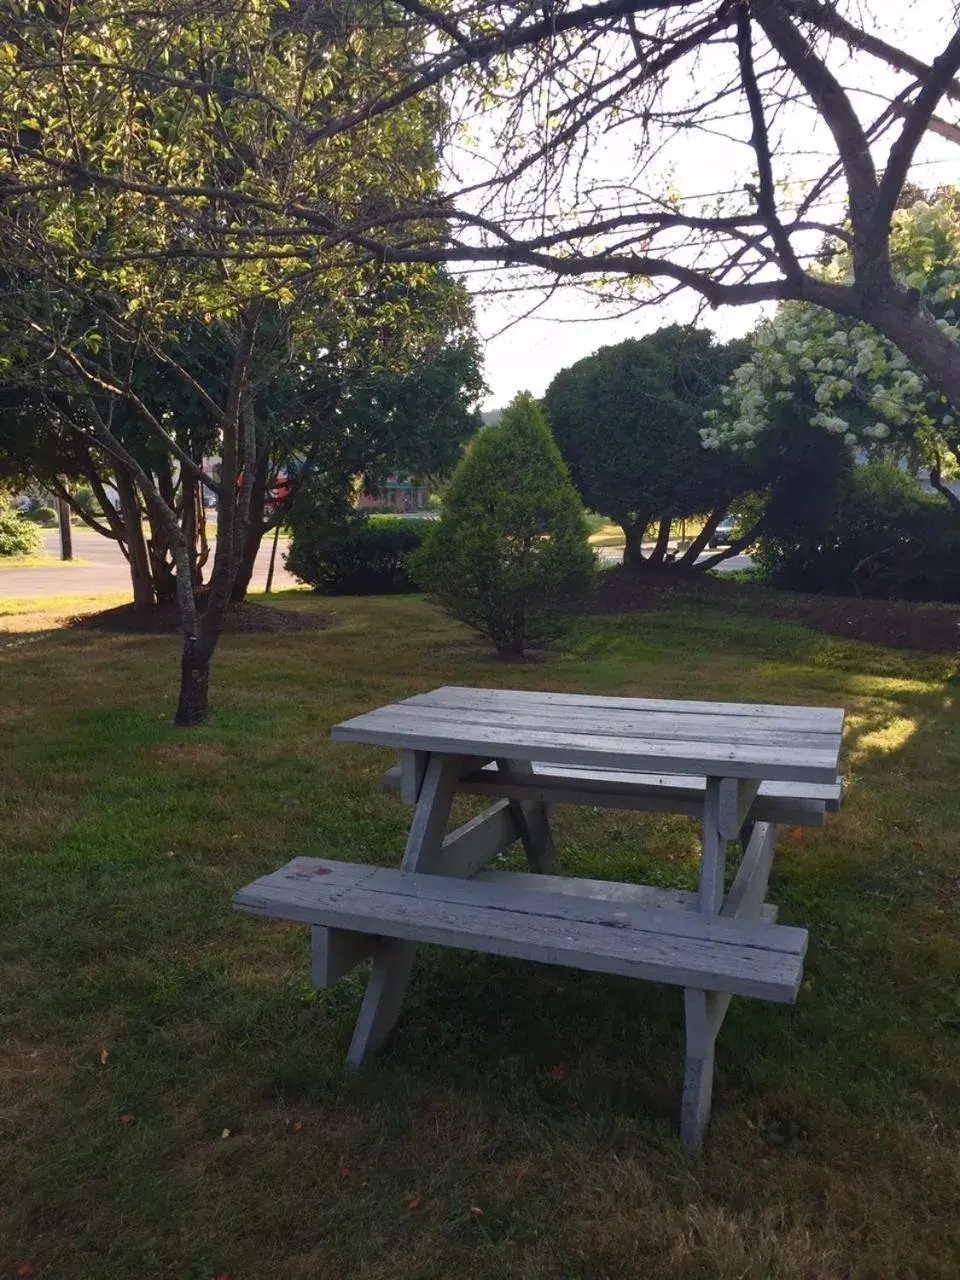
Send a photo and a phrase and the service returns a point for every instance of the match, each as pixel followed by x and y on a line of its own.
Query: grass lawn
pixel 172 1094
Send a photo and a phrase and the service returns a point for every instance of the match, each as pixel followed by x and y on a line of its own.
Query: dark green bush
pixel 889 539
pixel 40 512
pixel 352 555
pixel 512 542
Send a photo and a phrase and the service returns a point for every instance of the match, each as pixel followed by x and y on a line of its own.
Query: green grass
pixel 172 1094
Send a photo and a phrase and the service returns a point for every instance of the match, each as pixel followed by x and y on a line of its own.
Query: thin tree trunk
pixel 137 558
pixel 658 555
pixel 689 558
pixel 188 522
pixel 200 634
pixel 66 533
pixel 273 559
pixel 734 549
pixel 936 481
pixel 256 528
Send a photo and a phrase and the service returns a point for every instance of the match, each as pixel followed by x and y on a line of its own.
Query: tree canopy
pixel 628 422
pixel 253 163
pixel 846 377
pixel 159 316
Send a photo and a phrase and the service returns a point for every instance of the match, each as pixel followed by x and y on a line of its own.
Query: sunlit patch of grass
pixel 523 1120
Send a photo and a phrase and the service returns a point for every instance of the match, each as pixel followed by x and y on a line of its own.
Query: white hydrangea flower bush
pixel 861 386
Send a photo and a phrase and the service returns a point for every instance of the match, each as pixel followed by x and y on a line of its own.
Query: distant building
pixel 395 494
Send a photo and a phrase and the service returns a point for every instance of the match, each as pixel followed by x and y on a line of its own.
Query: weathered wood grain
pixel 638 895
pixel 532 820
pixel 787 803
pixel 617 724
pixel 471 846
pixel 465 698
pixel 685 949
pixel 720 759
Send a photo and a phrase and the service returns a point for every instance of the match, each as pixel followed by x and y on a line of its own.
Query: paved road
pixel 614 555
pixel 100 568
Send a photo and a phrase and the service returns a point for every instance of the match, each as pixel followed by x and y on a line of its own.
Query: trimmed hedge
pixel 360 556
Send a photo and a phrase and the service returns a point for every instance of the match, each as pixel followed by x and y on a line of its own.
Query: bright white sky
pixel 524 353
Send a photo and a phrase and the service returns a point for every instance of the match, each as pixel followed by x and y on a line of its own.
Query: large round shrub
pixel 511 544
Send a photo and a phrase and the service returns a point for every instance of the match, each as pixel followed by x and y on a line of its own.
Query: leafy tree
pixel 539 90
pixel 511 544
pixel 628 420
pixel 151 319
pixel 18 536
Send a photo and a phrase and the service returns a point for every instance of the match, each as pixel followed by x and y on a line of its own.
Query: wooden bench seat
pixel 650 934
pixel 786 803
pixel 742 957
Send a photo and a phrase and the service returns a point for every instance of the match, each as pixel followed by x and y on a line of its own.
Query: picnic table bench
pixel 740 768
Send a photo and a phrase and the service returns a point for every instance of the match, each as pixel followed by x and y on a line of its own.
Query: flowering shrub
pixel 861 386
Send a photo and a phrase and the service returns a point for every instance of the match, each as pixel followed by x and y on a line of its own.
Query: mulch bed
pixel 899 624
pixel 163 619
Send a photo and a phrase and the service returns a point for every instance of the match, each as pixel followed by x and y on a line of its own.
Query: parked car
pixel 724 534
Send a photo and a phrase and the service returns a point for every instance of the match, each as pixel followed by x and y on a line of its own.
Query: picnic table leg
pixel 704 1011
pixel 726 806
pixel 532 819
pixel 393 959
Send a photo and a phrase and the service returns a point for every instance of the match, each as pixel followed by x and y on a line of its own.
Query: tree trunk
pixel 734 549
pixel 247 561
pixel 902 317
pixel 273 560
pixel 238 459
pixel 66 533
pixel 139 561
pixel 633 532
pixel 659 552
pixel 689 558
pixel 254 533
pixel 193 706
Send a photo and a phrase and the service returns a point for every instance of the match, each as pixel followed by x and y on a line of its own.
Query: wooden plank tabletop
pixel 719 739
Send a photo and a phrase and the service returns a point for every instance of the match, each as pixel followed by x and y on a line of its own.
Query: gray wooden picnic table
pixel 741 768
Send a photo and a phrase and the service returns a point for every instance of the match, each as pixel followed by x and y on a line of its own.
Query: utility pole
pixel 66 533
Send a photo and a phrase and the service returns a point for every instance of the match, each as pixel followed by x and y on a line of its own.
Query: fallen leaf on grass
pixel 296 1126
pixel 225 1134
pixel 476 1211
pixel 345 1172
pixel 414 1204
pixel 226 1275
pixel 104 1055
pixel 128 1118
pixel 26 1269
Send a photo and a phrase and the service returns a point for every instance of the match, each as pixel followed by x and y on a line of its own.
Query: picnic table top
pixel 716 739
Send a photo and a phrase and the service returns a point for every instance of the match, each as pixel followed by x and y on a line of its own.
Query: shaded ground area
pixel 245 617
pixel 900 624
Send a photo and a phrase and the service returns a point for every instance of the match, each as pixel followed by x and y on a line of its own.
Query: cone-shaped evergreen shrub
pixel 511 545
